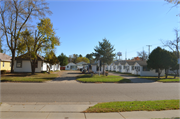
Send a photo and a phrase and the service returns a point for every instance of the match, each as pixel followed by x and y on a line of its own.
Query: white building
pixel 71 66
pixel 140 68
pixel 22 64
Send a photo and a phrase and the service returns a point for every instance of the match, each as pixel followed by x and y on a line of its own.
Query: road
pixel 68 90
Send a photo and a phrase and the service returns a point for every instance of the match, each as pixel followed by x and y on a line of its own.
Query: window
pixel 3 64
pixel 19 64
pixel 157 70
pixel 42 64
pixel 67 66
pixel 50 66
pixel 137 68
pixel 132 67
pixel 145 68
pixel 119 67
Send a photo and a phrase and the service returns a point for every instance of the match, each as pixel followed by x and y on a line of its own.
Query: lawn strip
pixel 27 77
pixel 87 78
pixel 161 79
pixel 123 106
pixel 154 78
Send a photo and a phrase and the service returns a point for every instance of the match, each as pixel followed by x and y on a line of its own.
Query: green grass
pixel 134 106
pixel 27 77
pixel 162 78
pixel 154 78
pixel 87 78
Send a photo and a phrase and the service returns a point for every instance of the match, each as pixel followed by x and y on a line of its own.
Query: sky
pixel 129 25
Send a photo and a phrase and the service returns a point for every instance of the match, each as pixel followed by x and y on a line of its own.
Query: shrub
pixel 3 71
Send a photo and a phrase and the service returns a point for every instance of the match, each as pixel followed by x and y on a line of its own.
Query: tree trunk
pixel 103 70
pixel 166 73
pixel 159 75
pixel 32 67
pixel 12 61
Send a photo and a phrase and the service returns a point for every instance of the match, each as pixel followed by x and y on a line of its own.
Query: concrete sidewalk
pixel 73 110
pixel 133 79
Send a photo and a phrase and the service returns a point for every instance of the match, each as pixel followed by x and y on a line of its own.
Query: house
pixel 71 66
pixel 5 62
pixel 140 68
pixel 22 63
pixel 80 64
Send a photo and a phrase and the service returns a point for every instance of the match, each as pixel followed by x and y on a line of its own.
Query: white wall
pixel 151 73
pixel 68 66
pixel 26 66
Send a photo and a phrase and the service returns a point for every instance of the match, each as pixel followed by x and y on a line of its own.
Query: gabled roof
pixel 4 57
pixel 71 63
pixel 26 57
pixel 142 63
pixel 122 62
pixel 130 62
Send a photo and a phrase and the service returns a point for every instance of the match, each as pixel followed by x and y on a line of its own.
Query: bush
pixel 3 71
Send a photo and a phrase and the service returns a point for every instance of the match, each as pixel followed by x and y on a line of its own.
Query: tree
pixel 82 59
pixel 63 59
pixel 156 59
pixel 90 57
pixel 169 60
pixel 80 55
pixel 173 45
pixel 43 40
pixel 15 15
pixel 51 59
pixel 143 55
pixel 104 52
pixel 1 50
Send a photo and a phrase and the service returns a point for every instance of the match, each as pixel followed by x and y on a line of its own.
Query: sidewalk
pixel 133 78
pixel 73 110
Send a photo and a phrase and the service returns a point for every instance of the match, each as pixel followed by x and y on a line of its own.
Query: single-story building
pixel 22 63
pixel 140 68
pixel 5 62
pixel 71 66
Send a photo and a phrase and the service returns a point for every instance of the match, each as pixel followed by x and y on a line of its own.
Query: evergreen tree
pixel 104 53
pixel 63 59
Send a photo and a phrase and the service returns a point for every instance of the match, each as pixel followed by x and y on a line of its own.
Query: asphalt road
pixel 87 92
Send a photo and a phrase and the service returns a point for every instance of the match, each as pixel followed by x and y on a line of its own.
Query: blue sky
pixel 129 25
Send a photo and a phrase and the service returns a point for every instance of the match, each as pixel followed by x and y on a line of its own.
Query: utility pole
pixel 149 48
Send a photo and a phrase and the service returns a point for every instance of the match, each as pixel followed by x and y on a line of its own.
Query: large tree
pixel 90 57
pixel 156 59
pixel 169 60
pixel 63 59
pixel 161 59
pixel 14 15
pixel 104 52
pixel 43 40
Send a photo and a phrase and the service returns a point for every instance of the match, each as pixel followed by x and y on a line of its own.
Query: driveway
pixel 66 77
pixel 133 79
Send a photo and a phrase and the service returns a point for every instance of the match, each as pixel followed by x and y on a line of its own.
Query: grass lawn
pixel 87 78
pixel 27 77
pixel 134 106
pixel 162 79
